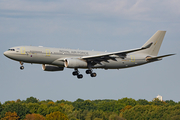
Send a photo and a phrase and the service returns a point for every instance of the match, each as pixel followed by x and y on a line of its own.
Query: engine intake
pixel 47 67
pixel 75 63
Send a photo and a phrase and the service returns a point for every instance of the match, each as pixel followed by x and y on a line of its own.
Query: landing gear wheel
pixel 79 76
pixel 88 71
pixel 93 74
pixel 22 67
pixel 75 73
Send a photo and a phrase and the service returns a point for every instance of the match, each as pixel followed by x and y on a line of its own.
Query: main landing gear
pixel 77 73
pixel 80 76
pixel 91 73
pixel 21 67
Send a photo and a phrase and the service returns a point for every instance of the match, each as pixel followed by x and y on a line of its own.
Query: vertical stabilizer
pixel 156 39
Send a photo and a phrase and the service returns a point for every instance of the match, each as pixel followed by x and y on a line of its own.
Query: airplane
pixel 56 59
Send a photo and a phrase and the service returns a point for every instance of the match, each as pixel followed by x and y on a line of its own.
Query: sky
pixel 99 25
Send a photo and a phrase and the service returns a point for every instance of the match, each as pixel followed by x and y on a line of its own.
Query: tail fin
pixel 156 39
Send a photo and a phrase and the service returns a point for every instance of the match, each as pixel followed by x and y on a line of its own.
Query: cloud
pixel 115 17
pixel 126 9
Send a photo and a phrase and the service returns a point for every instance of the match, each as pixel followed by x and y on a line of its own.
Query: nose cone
pixel 5 53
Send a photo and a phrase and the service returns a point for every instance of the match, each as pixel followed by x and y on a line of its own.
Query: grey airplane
pixel 56 59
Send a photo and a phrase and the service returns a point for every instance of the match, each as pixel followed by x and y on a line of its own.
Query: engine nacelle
pixel 75 63
pixel 52 68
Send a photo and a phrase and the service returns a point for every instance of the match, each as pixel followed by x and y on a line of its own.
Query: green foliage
pixel 33 107
pixel 127 101
pixel 121 109
pixel 142 102
pixel 56 116
pixel 84 105
pixel 156 101
pixel 1 107
pixel 19 108
pixel 34 117
pixel 95 115
pixel 170 102
pixel 42 110
pixel 10 116
pixel 152 112
pixel 31 100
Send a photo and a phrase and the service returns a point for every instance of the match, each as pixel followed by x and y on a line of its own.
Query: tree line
pixel 121 109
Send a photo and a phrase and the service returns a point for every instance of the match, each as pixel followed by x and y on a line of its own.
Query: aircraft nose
pixel 6 53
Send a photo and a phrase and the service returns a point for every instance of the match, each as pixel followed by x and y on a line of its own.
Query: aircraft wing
pixel 96 59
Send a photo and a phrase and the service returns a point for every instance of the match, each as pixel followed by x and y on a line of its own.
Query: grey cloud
pixel 134 9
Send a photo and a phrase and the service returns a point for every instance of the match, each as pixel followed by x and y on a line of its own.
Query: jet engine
pixel 47 67
pixel 75 63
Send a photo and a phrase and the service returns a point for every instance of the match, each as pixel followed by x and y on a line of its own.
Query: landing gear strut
pixel 77 73
pixel 21 67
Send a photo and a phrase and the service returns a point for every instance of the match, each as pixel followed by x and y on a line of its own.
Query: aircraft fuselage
pixel 55 56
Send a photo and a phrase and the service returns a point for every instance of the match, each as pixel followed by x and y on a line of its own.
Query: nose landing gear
pixel 21 67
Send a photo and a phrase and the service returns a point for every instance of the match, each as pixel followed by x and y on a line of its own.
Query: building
pixel 159 97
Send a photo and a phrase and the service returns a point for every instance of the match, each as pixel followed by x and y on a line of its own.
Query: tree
pixel 33 107
pixel 79 100
pixel 1 107
pixel 18 100
pixel 34 117
pixel 95 115
pixel 142 102
pixel 52 109
pixel 127 101
pixel 31 100
pixel 126 108
pixel 10 116
pixel 170 102
pixel 43 109
pixel 107 106
pixel 156 101
pixel 19 108
pixel 177 117
pixel 56 116
pixel 85 105
pixel 114 116
pixel 51 103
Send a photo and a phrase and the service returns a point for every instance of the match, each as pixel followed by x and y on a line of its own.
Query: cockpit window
pixel 11 49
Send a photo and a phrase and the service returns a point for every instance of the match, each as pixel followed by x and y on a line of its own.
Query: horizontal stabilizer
pixel 158 57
